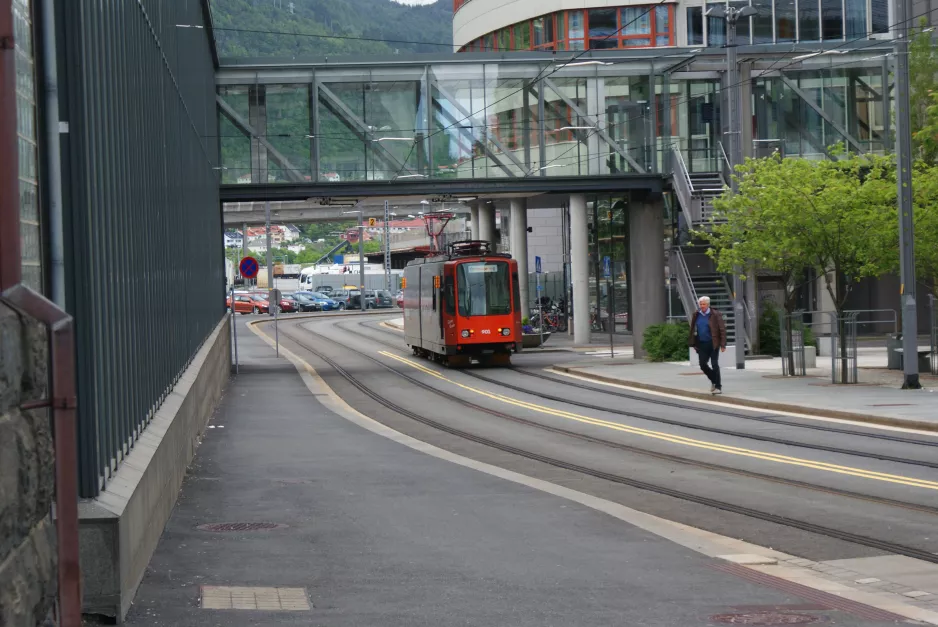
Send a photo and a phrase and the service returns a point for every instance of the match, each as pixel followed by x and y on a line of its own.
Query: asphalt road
pixel 835 479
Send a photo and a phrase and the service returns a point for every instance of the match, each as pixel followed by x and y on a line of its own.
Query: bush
pixel 525 321
pixel 666 342
pixel 770 342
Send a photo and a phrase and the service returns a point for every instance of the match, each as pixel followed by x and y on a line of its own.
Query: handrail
pixel 684 189
pixel 727 169
pixel 685 286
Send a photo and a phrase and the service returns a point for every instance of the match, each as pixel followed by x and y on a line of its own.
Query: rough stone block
pixel 28 577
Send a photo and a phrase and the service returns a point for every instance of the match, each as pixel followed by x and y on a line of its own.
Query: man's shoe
pixel 713 388
pixel 717 390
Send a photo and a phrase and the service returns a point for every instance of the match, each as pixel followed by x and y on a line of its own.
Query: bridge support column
pixel 646 248
pixel 579 268
pixel 487 224
pixel 519 248
pixel 474 220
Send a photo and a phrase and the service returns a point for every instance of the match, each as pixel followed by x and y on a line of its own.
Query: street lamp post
pixel 904 175
pixel 732 15
pixel 361 255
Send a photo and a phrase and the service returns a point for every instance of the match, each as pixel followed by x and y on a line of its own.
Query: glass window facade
pixel 695 33
pixel 31 240
pixel 642 26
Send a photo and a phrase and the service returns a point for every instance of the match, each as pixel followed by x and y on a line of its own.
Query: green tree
pixel 923 91
pixel 793 214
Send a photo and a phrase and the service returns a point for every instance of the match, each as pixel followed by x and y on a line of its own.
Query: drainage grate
pixel 240 526
pixel 766 618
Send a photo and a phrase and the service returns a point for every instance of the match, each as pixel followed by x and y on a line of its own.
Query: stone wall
pixel 27 532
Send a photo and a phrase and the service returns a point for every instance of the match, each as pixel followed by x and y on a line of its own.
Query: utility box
pixel 893 356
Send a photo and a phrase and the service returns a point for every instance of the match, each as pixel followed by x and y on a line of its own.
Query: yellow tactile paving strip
pixel 244 598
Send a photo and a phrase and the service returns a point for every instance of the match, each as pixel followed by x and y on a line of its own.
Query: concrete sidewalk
pixel 765 388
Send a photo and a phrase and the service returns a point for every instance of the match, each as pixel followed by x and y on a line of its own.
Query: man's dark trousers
pixel 707 352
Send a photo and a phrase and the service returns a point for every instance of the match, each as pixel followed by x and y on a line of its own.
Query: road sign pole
pixel 540 311
pixel 270 270
pixel 907 289
pixel 277 327
pixel 387 246
pixel 361 257
pixel 234 331
pixel 612 316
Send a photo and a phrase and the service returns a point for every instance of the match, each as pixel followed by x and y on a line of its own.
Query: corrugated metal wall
pixel 143 227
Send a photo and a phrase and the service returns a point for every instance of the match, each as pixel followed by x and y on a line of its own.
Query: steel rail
pixel 642 485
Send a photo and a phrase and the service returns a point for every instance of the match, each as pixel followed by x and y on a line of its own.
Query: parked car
pixel 322 302
pixel 342 297
pixel 260 302
pixel 243 303
pixel 287 304
pixel 305 302
pixel 400 298
pixel 383 299
pixel 354 301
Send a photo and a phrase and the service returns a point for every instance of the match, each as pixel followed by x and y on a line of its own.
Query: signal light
pixel 465 333
pixel 404 283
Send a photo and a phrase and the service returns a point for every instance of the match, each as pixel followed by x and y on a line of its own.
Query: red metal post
pixel 10 262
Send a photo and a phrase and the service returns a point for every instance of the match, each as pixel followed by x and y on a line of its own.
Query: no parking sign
pixel 248 267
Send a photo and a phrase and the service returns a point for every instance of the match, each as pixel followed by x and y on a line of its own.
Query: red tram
pixel 463 305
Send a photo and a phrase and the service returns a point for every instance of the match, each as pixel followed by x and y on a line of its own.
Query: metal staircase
pixel 721 299
pixel 695 191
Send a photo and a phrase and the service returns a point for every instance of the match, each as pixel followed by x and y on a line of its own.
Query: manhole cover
pixel 765 618
pixel 240 526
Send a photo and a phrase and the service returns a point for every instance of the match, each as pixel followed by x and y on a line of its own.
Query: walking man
pixel 708 337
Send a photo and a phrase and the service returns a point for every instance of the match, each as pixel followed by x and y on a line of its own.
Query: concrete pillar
pixel 579 269
pixel 487 224
pixel 646 252
pixel 519 247
pixel 474 220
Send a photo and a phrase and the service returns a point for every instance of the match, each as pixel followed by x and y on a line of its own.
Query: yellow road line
pixel 677 439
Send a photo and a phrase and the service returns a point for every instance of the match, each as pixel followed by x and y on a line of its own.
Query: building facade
pixel 492 25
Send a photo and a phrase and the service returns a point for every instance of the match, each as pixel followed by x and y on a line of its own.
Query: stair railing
pixel 684 188
pixel 725 169
pixel 742 326
pixel 685 286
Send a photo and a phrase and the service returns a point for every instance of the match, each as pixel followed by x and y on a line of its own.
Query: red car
pixel 247 303
pixel 400 298
pixel 260 303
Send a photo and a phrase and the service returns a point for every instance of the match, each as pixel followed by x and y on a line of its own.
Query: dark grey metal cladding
pixel 142 219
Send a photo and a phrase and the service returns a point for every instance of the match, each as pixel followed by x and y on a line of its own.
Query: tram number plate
pixel 486 332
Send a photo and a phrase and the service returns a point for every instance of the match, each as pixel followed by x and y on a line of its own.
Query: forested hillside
pixel 315 20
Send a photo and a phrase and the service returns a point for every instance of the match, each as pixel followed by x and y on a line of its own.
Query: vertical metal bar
pixel 361 258
pixel 526 127
pixel 314 129
pixel 887 110
pixel 270 270
pixel 428 116
pixel 732 69
pixel 387 245
pixel 652 123
pixel 907 289
pixel 541 130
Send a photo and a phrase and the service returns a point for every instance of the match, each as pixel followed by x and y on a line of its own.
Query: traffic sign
pixel 537 265
pixel 372 221
pixel 607 268
pixel 249 267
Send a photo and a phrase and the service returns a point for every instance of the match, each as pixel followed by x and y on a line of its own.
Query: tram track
pixel 814 528
pixel 699 427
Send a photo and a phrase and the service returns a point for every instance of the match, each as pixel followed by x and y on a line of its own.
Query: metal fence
pixel 933 317
pixel 144 258
pixel 792 351
pixel 844 367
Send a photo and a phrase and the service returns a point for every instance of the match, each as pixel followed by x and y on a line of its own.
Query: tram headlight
pixel 464 333
pixel 506 331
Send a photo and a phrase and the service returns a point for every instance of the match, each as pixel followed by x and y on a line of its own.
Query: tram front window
pixel 483 288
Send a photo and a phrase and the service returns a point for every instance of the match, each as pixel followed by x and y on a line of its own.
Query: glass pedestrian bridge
pixel 529 119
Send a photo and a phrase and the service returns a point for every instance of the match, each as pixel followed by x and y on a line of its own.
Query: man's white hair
pixel 703 299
